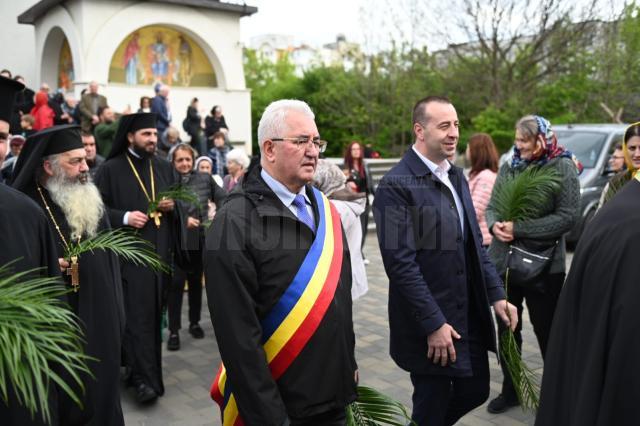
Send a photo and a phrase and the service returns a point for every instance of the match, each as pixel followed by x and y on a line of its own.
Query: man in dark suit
pixel 441 281
pixel 160 106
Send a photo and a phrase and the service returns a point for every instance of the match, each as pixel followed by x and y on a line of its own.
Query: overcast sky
pixel 312 22
pixel 371 23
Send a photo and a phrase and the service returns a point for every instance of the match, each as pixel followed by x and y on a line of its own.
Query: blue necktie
pixel 303 214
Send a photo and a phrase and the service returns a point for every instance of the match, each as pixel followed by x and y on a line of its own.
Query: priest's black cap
pixel 53 140
pixel 130 123
pixel 8 90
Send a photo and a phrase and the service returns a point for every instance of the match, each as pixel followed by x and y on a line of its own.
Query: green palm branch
pixel 523 378
pixel 175 193
pixel 516 198
pixel 519 197
pixel 37 331
pixel 125 244
pixel 374 408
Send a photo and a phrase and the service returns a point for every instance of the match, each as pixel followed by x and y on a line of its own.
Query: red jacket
pixel 42 112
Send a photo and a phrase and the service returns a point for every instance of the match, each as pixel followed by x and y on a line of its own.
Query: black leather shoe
pixel 145 394
pixel 173 344
pixel 196 331
pixel 500 404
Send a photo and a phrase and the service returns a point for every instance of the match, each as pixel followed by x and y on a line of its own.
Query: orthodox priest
pixel 130 180
pixel 53 171
pixel 591 374
pixel 28 243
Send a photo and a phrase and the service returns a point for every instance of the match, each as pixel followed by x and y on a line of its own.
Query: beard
pixel 79 200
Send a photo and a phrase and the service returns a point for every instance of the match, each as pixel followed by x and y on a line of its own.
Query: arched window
pixel 161 54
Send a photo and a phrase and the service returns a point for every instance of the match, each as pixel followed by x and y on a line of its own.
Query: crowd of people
pixel 35 111
pixel 277 242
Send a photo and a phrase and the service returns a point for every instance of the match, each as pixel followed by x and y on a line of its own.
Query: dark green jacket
pixel 557 216
pixel 105 133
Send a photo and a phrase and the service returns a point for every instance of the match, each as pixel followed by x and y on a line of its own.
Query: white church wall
pixel 96 29
pixel 48 41
pixel 216 33
pixel 18 42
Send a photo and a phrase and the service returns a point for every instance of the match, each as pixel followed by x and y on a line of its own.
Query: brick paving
pixel 188 372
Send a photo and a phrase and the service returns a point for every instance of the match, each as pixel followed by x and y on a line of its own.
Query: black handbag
pixel 526 263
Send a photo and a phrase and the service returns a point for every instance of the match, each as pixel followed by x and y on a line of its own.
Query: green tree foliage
pixel 567 71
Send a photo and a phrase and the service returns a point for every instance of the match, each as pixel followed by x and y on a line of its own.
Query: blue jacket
pixel 159 106
pixel 432 265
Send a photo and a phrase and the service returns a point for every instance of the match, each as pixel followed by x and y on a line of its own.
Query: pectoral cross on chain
pixel 156 217
pixel 74 272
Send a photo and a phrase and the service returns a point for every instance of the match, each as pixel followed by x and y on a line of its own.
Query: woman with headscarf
pixel 535 146
pixel 329 179
pixel 631 152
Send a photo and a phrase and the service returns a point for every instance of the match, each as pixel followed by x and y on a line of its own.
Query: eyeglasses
pixel 304 140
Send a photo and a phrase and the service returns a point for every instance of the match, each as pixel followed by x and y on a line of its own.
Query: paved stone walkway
pixel 188 372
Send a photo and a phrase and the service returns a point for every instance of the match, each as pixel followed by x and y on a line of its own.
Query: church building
pixel 129 47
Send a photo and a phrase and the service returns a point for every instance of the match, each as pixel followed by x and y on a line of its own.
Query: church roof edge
pixel 39 9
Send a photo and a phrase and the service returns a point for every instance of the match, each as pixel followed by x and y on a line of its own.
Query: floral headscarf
pixel 551 149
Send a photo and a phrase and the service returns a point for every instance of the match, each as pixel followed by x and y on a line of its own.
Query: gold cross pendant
pixel 74 272
pixel 156 217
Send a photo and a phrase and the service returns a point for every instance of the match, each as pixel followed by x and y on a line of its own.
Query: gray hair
pixel 328 177
pixel 528 126
pixel 273 120
pixel 239 156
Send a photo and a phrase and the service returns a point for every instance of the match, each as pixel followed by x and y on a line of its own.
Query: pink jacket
pixel 481 186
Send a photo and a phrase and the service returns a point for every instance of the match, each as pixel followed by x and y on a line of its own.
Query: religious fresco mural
pixel 65 67
pixel 160 54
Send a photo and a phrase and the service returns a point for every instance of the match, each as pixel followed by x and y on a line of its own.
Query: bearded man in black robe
pixel 591 371
pixel 52 171
pixel 131 179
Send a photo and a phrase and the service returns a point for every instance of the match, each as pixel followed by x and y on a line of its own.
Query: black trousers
pixel 336 417
pixel 443 400
pixel 542 306
pixel 176 293
pixel 364 222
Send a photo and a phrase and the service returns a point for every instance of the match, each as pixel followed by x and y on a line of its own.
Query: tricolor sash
pixel 294 319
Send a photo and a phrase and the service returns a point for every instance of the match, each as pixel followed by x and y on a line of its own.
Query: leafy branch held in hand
pixel 175 193
pixel 519 197
pixel 123 243
pixel 375 408
pixel 37 331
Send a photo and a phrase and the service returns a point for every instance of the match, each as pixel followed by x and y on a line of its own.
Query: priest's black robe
pixel 592 368
pixel 99 305
pixel 142 287
pixel 25 236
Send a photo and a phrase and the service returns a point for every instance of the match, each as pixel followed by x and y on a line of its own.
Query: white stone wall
pixel 17 41
pixel 95 29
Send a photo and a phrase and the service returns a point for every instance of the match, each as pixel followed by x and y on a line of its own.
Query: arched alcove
pixel 159 53
pixel 57 66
